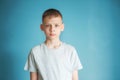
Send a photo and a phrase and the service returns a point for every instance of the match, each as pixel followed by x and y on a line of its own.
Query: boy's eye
pixel 56 25
pixel 47 25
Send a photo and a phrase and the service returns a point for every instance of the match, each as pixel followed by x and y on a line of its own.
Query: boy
pixel 53 59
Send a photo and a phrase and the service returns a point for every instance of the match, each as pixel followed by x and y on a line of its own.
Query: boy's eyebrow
pixel 55 24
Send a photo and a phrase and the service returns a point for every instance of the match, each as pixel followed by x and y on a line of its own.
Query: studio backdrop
pixel 92 26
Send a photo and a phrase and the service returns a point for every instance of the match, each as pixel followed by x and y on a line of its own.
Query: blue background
pixel 92 26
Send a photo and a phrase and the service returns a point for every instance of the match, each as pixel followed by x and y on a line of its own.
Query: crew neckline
pixel 53 49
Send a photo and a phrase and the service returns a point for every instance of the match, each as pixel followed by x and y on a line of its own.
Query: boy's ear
pixel 41 27
pixel 62 29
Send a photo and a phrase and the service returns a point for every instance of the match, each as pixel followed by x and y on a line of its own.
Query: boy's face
pixel 52 27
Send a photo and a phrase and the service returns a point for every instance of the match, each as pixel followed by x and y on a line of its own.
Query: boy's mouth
pixel 52 34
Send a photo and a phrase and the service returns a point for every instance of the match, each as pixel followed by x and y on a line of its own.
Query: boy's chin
pixel 52 38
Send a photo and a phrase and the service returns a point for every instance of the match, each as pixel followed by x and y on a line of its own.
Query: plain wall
pixel 92 26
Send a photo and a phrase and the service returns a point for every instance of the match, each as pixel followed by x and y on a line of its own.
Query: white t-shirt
pixel 53 64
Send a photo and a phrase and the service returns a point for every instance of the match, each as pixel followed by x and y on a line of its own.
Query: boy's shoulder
pixel 68 46
pixel 37 47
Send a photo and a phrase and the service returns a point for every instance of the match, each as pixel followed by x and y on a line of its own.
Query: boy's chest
pixel 52 58
pixel 52 61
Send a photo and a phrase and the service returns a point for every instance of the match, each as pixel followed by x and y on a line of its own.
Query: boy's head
pixel 51 13
pixel 52 24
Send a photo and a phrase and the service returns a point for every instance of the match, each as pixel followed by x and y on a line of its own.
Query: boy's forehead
pixel 50 19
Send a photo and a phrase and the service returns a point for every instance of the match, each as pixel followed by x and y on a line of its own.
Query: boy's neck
pixel 53 43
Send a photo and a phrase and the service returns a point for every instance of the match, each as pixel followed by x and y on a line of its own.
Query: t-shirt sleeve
pixel 30 63
pixel 75 61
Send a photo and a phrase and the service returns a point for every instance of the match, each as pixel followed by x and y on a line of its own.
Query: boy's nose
pixel 52 28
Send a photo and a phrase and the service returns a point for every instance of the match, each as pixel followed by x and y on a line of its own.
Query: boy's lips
pixel 52 34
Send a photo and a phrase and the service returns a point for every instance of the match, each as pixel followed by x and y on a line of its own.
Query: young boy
pixel 53 59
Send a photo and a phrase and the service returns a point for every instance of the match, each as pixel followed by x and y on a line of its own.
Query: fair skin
pixel 52 27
